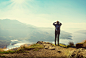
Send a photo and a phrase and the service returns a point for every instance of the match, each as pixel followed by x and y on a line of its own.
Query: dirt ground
pixel 59 52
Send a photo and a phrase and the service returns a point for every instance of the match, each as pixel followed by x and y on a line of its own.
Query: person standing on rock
pixel 57 30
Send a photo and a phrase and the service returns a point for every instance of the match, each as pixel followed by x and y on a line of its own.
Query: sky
pixel 42 13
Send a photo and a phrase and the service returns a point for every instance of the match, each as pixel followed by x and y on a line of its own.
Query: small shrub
pixel 71 43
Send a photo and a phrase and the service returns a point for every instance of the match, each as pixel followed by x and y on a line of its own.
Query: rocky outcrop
pixel 46 45
pixel 81 45
pixel 79 53
pixel 41 42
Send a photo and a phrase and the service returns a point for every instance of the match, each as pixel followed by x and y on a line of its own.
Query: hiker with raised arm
pixel 57 30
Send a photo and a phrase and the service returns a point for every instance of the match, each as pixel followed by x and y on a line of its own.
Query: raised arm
pixel 54 24
pixel 60 24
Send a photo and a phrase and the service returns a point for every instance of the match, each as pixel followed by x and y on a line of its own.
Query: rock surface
pixel 79 45
pixel 51 48
pixel 84 45
pixel 46 45
pixel 48 51
pixel 79 53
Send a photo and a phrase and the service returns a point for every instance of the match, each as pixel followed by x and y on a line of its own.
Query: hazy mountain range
pixel 13 29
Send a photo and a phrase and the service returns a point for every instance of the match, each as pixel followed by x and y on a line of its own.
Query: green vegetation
pixel 53 44
pixel 6 52
pixel 69 46
pixel 34 47
pixel 62 45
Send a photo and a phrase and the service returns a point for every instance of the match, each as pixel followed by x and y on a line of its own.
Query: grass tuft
pixel 62 45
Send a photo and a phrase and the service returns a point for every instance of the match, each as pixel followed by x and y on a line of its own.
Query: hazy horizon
pixel 70 30
pixel 42 13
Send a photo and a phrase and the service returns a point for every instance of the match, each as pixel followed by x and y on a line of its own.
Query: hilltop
pixel 41 49
pixel 44 49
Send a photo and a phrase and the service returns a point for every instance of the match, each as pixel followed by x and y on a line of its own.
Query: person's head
pixel 57 22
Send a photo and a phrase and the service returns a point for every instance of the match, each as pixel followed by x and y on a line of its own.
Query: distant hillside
pixel 13 29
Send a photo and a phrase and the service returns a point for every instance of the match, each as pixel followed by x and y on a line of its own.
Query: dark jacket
pixel 57 26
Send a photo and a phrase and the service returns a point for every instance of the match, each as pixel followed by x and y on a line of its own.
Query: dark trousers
pixel 57 33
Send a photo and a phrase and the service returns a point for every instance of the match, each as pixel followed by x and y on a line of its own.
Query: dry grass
pixel 36 46
pixel 22 49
